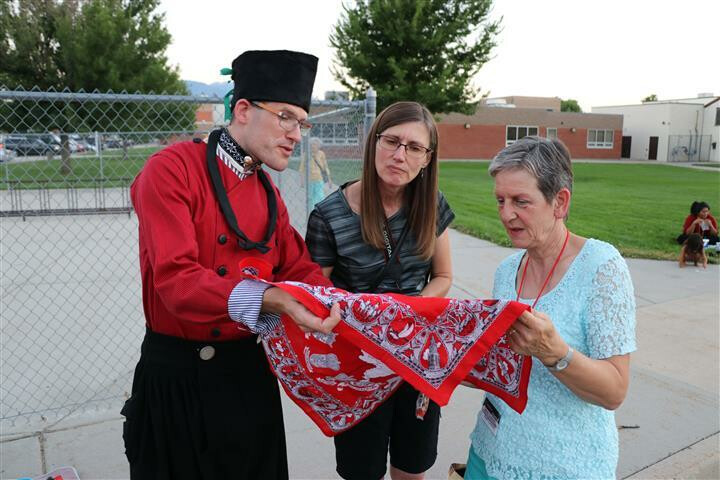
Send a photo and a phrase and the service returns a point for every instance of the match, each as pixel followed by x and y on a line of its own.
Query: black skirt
pixel 204 413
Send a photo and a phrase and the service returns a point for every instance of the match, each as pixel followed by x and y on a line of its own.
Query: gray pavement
pixel 669 423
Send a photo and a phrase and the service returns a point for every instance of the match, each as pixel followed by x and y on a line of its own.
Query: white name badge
pixel 490 416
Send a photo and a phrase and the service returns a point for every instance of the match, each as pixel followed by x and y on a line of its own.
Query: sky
pixel 613 52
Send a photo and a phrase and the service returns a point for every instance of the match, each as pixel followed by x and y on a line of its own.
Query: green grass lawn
pixel 638 208
pixel 115 169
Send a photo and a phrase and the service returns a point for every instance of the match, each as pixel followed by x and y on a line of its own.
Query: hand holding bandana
pixel 432 343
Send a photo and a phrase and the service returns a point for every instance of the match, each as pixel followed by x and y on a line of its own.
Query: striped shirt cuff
pixel 244 306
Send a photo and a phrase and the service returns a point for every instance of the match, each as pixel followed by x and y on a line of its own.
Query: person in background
pixel 388 232
pixel 700 221
pixel 693 250
pixel 319 172
pixel 579 332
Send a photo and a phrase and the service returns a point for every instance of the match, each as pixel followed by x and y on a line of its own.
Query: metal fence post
pixel 7 172
pixel 307 158
pixel 370 109
pixel 98 153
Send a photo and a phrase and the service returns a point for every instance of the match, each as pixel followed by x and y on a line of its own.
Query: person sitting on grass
pixel 693 251
pixel 700 221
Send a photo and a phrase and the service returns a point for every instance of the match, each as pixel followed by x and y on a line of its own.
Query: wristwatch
pixel 563 362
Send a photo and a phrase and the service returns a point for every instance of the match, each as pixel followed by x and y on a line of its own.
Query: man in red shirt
pixel 204 402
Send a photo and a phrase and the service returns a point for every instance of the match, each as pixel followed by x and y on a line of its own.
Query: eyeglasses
pixel 287 122
pixel 412 150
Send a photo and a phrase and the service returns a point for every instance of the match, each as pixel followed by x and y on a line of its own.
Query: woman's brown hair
pixel 421 194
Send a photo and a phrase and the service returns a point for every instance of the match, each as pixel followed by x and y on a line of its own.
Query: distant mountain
pixel 218 89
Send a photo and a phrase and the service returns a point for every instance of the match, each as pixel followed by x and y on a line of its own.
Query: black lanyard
pixel 390 241
pixel 392 257
pixel 243 241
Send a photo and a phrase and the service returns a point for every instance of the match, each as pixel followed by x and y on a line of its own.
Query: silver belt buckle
pixel 207 352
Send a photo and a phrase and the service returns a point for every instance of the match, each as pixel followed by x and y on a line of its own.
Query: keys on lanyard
pixel 421 406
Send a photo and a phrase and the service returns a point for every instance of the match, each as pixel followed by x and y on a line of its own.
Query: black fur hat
pixel 274 76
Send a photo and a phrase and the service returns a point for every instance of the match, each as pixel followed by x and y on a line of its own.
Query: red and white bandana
pixel 432 343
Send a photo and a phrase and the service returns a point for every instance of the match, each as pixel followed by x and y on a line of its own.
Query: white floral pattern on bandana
pixel 433 343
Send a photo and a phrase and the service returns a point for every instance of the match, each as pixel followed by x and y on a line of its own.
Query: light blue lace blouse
pixel 559 435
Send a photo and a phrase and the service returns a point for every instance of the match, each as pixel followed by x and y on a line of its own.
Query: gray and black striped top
pixel 334 238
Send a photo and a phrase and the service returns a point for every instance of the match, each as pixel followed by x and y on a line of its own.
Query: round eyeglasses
pixel 412 150
pixel 287 122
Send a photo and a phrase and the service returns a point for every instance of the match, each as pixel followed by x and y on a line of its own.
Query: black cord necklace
pixel 243 241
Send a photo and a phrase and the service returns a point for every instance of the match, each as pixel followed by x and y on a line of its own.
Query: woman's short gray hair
pixel 548 160
pixel 315 141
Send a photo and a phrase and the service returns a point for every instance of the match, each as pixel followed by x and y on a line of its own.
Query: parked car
pixel 113 141
pixel 78 143
pixel 5 153
pixel 74 142
pixel 74 146
pixel 90 141
pixel 116 141
pixel 27 145
pixel 51 139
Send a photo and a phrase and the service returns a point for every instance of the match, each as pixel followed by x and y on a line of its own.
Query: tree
pixel 117 45
pixel 89 45
pixel 650 98
pixel 570 105
pixel 92 45
pixel 28 43
pixel 422 50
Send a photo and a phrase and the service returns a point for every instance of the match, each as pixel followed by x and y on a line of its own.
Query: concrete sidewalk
pixel 669 424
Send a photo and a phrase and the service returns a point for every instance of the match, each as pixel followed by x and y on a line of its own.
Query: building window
pixel 516 132
pixel 552 133
pixel 600 139
pixel 717 117
pixel 336 133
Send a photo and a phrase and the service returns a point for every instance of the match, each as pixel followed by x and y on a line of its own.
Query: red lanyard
pixel 552 270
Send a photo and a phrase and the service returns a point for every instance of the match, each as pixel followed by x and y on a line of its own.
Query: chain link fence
pixel 72 319
pixel 689 148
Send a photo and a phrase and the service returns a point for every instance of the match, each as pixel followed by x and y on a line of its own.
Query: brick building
pixel 499 122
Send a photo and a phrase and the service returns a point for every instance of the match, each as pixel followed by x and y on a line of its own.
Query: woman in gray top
pixel 388 233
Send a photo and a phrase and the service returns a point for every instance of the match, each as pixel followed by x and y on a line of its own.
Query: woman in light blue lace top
pixel 580 331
